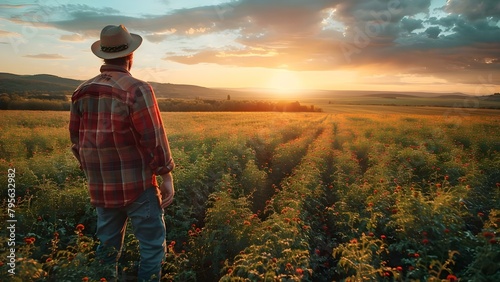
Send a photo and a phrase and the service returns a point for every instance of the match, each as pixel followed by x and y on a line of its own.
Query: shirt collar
pixel 106 68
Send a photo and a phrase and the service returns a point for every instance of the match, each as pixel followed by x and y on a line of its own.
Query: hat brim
pixel 132 46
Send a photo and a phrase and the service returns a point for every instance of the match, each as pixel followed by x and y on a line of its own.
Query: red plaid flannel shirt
pixel 117 135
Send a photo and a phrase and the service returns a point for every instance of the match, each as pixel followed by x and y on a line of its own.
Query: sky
pixel 286 45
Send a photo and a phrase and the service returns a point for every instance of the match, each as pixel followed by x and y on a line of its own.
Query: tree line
pixel 50 103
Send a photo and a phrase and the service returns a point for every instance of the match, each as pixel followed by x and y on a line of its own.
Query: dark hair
pixel 119 61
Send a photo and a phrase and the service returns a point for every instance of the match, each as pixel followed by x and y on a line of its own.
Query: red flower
pixel 425 241
pixel 299 271
pixel 80 227
pixel 103 279
pixel 493 241
pixel 488 234
pixel 48 260
pixel 85 279
pixel 399 268
pixel 383 237
pixel 29 240
pixel 451 278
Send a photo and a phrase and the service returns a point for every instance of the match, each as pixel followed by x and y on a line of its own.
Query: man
pixel 118 137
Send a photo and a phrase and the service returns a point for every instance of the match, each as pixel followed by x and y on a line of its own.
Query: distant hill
pixel 36 84
pixel 42 84
pixel 169 90
pixel 389 95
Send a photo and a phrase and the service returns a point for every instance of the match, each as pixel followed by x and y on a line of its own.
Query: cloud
pixel 410 24
pixel 458 41
pixel 377 35
pixel 75 37
pixel 46 56
pixel 4 33
pixel 11 6
pixel 433 32
pixel 474 9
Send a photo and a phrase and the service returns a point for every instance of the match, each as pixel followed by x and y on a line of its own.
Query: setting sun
pixel 285 82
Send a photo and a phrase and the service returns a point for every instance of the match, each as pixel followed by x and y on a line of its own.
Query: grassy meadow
pixel 356 193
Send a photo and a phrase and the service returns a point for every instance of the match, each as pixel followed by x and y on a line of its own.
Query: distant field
pixel 414 105
pixel 411 110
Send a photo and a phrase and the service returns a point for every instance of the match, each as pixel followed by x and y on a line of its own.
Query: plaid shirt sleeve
pixel 148 124
pixel 74 131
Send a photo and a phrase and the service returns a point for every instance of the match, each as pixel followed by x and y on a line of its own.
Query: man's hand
pixel 167 190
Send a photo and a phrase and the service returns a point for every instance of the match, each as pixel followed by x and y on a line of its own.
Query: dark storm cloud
pixel 410 24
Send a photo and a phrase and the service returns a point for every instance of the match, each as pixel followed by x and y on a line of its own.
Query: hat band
pixel 114 49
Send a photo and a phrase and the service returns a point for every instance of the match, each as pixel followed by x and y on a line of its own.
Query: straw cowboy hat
pixel 116 42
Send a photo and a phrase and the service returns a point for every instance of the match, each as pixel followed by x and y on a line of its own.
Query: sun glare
pixel 284 82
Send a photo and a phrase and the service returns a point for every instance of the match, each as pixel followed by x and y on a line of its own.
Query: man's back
pixel 116 122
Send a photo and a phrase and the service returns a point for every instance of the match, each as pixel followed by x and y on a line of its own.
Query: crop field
pixel 273 197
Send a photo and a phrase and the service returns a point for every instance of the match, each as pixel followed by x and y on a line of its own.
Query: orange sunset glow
pixel 285 46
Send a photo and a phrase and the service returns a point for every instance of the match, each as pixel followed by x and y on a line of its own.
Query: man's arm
pixel 167 190
pixel 74 132
pixel 148 123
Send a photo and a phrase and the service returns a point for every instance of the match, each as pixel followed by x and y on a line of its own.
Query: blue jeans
pixel 148 227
